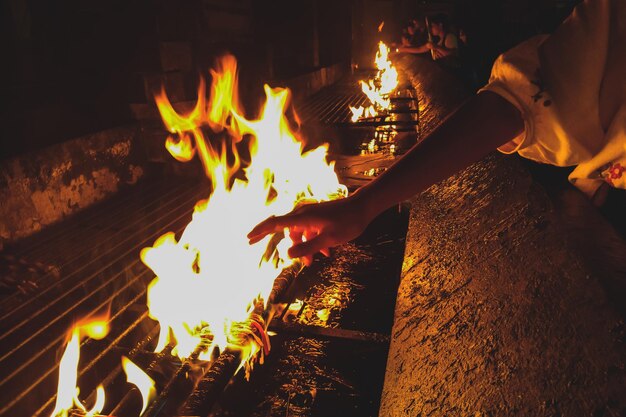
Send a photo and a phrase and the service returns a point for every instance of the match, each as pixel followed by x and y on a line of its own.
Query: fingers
pixel 269 225
pixel 300 236
pixel 309 248
pixel 295 236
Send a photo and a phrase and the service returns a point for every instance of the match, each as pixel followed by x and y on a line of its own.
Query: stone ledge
pixel 45 186
pixel 501 311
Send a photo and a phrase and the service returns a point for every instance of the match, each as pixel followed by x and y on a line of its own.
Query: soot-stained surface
pixel 44 187
pixel 307 375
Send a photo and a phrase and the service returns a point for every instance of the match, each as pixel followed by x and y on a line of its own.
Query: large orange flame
pixel 210 278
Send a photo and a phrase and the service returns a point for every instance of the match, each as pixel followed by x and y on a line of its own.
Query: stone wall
pixel 45 186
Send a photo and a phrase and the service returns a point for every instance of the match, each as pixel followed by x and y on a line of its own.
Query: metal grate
pixel 331 106
pixel 96 267
pixel 90 263
pixel 94 264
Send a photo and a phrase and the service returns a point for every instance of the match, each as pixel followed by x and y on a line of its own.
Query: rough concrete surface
pixel 501 311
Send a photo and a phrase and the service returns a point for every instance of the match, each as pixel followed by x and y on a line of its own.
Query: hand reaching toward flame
pixel 480 125
pixel 316 227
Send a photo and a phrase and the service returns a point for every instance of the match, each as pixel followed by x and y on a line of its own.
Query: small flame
pixel 372 146
pixel 381 26
pixel 67 391
pixel 378 89
pixel 296 306
pixel 182 149
pixel 362 112
pixel 323 314
pixel 99 405
pixel 224 95
pixel 387 73
pixel 141 380
pixel 96 329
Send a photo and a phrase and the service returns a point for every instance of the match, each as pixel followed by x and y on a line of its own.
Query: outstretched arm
pixel 414 49
pixel 479 126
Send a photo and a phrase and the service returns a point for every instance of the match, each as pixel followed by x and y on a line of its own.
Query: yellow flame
pixel 380 27
pixel 378 89
pixel 67 391
pixel 373 94
pixel 99 404
pixel 141 380
pixel 68 374
pixel 387 73
pixel 362 112
pixel 323 314
pixel 382 56
pixel 224 95
pixel 174 122
pixel 212 269
pixel 96 329
pixel 181 149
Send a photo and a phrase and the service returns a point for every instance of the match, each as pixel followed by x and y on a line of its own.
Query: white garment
pixel 570 88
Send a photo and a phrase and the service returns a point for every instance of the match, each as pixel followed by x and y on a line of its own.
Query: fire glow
pixel 210 280
pixel 378 89
pixel 67 390
pixel 137 377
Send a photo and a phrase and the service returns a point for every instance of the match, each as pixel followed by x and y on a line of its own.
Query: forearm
pixel 414 49
pixel 483 123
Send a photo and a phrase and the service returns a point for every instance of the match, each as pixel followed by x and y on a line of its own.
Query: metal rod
pixel 327 332
pixel 95 221
pixel 404 98
pixel 177 389
pixel 212 384
pixel 403 111
pixel 382 123
pixel 99 307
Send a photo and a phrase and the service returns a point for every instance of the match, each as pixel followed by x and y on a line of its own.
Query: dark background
pixel 74 67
